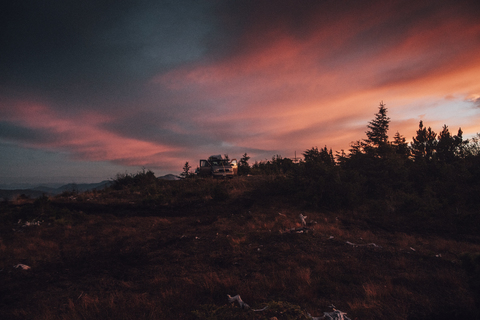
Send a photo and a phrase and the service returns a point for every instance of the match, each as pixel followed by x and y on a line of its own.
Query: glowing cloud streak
pixel 82 135
pixel 295 89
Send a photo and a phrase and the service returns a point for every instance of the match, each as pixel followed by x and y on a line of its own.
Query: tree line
pixel 434 174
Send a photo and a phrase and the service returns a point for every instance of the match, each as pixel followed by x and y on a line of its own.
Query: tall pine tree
pixel 377 138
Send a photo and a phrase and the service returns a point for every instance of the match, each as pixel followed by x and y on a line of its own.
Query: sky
pixel 91 89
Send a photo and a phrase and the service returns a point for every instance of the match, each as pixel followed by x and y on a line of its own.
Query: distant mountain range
pixel 78 187
pixel 49 190
pixel 9 192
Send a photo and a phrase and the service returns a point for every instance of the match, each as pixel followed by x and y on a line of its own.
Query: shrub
pixel 139 179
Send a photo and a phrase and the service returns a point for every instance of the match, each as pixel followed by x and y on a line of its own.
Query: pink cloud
pixel 83 135
pixel 280 84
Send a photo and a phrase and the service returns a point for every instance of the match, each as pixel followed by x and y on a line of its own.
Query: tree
pixel 472 146
pixel 446 146
pixel 243 166
pixel 400 146
pixel 356 158
pixel 186 170
pixel 323 156
pixel 377 138
pixel 424 144
pixel 460 144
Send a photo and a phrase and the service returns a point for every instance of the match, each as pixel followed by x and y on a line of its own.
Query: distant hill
pixel 32 191
pixel 50 191
pixel 79 187
pixel 25 185
pixel 169 177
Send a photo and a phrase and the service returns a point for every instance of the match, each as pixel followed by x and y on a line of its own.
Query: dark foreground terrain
pixel 175 250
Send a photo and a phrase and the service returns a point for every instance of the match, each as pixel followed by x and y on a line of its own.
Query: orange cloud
pixel 83 136
pixel 289 86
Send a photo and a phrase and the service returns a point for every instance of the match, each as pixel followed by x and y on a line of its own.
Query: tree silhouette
pixel 446 146
pixel 244 167
pixel 186 170
pixel 377 138
pixel 424 144
pixel 400 146
pixel 323 156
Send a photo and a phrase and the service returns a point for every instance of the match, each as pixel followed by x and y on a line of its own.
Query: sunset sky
pixel 89 89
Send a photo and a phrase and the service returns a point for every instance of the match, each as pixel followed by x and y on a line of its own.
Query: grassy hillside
pixel 155 249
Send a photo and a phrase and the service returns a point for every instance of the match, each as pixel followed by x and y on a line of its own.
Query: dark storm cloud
pixel 9 131
pixel 52 41
pixel 95 47
pixel 158 127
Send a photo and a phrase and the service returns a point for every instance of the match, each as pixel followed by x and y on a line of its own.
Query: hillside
pixel 176 249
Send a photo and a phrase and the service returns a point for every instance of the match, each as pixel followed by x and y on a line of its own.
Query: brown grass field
pixel 176 250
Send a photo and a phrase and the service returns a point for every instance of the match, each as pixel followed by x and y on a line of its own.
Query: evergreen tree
pixel 323 156
pixel 431 145
pixel 460 144
pixel 418 143
pixel 186 170
pixel 244 167
pixel 424 144
pixel 377 138
pixel 400 146
pixel 471 147
pixel 341 157
pixel 356 158
pixel 446 146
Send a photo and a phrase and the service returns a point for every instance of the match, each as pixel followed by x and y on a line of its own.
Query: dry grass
pixel 164 262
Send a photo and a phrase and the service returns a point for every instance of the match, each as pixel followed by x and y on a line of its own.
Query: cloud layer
pixel 156 84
